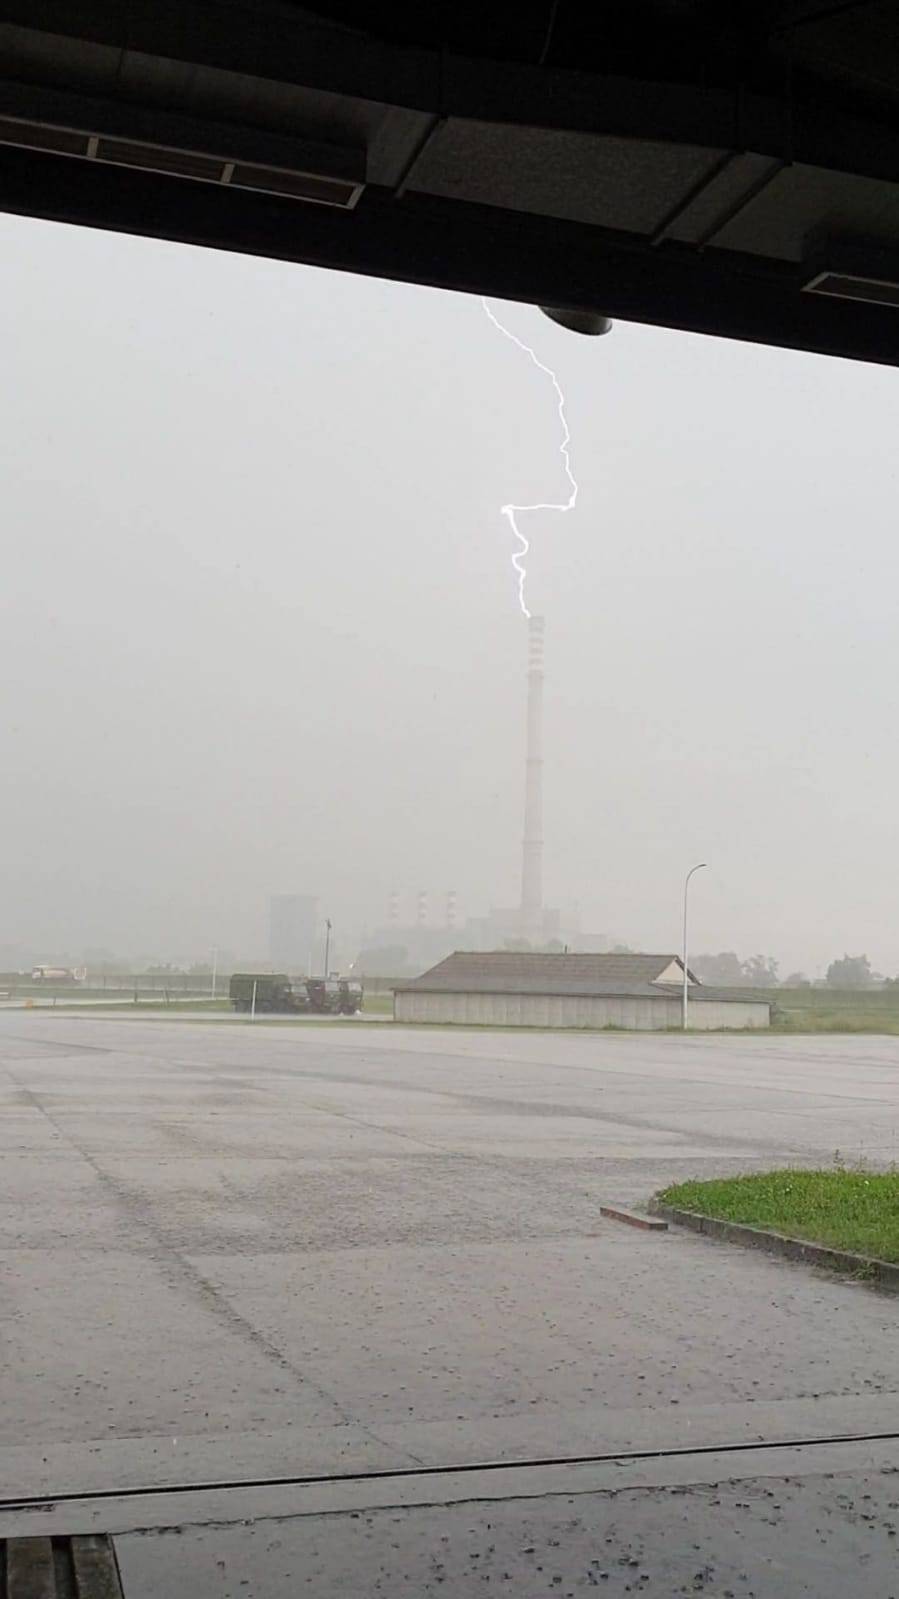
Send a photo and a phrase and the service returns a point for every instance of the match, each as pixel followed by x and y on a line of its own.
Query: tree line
pixel 727 970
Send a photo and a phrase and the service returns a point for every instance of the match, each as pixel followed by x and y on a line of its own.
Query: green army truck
pixel 335 996
pixel 275 993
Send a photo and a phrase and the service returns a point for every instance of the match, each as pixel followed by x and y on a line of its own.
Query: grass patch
pixel 372 1005
pixel 377 1004
pixel 796 1010
pixel 175 1007
pixel 833 1010
pixel 854 1210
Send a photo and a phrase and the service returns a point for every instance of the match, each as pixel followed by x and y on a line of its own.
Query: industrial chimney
pixel 532 848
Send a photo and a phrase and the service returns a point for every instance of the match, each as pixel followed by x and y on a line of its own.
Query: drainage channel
pixel 410 1474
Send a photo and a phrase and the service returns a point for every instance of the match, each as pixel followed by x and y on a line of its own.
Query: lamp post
pixel 700 865
pixel 215 967
pixel 327 945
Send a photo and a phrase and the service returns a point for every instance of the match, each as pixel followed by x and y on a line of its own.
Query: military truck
pixel 336 996
pixel 276 993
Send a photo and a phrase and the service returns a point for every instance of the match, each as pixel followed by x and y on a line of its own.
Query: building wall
pixel 711 1013
pixel 562 1010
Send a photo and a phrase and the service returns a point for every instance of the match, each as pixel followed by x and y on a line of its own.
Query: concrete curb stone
pixel 882 1273
pixel 633 1218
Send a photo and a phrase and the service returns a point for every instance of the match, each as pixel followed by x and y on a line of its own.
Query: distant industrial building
pixel 291 932
pixel 531 922
pixel 413 945
pixel 521 989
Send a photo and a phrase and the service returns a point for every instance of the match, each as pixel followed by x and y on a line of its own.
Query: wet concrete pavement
pixel 233 1252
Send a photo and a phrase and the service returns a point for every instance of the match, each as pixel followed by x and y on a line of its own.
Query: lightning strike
pixel 512 512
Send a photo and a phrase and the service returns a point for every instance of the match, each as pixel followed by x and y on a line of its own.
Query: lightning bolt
pixel 512 512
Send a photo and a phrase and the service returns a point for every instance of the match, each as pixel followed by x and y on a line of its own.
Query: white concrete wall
pixel 711 1013
pixel 557 1010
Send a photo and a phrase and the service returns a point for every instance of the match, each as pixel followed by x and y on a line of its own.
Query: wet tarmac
pixel 234 1253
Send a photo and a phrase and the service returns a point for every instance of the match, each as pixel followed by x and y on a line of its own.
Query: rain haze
pixel 260 628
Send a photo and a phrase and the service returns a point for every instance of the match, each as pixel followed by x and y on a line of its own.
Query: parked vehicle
pixel 334 995
pixel 262 991
pixel 276 993
pixel 351 995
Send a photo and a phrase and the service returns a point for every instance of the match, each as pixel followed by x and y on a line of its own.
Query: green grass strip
pixel 854 1210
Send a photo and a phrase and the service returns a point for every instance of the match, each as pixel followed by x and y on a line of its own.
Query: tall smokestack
pixel 532 848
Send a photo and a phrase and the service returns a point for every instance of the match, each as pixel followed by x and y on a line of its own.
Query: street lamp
pixel 215 967
pixel 327 945
pixel 700 866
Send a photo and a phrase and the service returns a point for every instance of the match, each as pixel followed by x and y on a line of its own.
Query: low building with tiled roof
pixel 511 988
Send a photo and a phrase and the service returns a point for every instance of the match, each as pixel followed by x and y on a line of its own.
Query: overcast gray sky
pixel 260 632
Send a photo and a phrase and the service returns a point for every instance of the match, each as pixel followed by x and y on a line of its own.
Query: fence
pixel 112 985
pixel 138 986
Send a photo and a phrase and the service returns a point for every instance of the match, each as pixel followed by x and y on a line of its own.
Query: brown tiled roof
pixel 513 972
pixel 527 972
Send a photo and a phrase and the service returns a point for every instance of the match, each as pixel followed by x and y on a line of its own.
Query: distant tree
pixel 797 980
pixel 853 971
pixel 621 949
pixel 199 969
pixel 760 971
pixel 724 969
pixel 517 946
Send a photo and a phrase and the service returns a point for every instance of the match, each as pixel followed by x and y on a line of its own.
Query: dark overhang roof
pixel 612 976
pixel 672 161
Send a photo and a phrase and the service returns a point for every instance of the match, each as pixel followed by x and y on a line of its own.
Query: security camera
pixel 589 322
